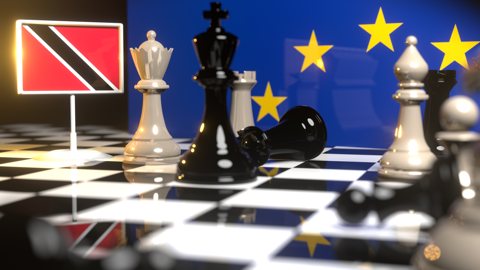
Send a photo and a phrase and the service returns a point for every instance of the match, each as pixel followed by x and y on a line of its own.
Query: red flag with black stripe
pixel 61 57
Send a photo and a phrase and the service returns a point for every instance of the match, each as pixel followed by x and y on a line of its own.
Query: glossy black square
pixel 17 171
pixel 369 176
pixel 108 165
pixel 49 148
pixel 198 194
pixel 4 160
pixel 296 184
pixel 118 178
pixel 49 143
pixel 46 206
pixel 254 216
pixel 19 185
pixel 316 246
pixel 130 177
pixel 344 151
pixel 314 164
pixel 183 264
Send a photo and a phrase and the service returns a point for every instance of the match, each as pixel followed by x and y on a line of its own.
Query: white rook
pixel 241 115
pixel 409 157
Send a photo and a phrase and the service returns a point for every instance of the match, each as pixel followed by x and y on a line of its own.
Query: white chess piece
pixel 241 115
pixel 152 142
pixel 456 237
pixel 409 157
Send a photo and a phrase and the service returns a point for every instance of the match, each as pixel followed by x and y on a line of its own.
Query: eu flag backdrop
pixel 352 83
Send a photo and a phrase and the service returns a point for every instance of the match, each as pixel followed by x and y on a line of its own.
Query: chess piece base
pixel 392 161
pixel 159 85
pixel 400 175
pixel 455 240
pixel 151 152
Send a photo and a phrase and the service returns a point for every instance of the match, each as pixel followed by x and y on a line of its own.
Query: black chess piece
pixel 215 155
pixel 432 195
pixel 28 243
pixel 438 84
pixel 300 135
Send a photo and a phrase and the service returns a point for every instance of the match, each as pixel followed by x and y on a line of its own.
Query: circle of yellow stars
pixel 380 32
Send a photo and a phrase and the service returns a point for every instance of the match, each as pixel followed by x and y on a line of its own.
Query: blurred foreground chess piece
pixel 241 115
pixel 300 135
pixel 455 239
pixel 30 243
pixel 409 157
pixel 450 179
pixel 438 85
pixel 215 156
pixel 152 142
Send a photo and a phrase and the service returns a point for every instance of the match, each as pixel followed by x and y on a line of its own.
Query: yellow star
pixel 270 173
pixel 313 53
pixel 455 49
pixel 380 31
pixel 268 103
pixel 312 240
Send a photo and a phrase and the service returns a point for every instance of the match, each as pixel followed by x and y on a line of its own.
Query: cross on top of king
pixel 215 14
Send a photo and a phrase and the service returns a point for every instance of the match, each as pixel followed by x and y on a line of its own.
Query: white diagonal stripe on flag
pixel 100 239
pixel 82 235
pixel 92 66
pixel 59 58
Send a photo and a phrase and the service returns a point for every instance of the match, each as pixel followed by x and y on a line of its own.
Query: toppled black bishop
pixel 215 156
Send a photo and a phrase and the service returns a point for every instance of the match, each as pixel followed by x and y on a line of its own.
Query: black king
pixel 215 156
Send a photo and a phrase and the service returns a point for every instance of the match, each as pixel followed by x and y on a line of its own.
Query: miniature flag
pixel 55 57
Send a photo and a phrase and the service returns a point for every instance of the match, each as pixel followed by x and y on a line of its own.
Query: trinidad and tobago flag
pixel 55 57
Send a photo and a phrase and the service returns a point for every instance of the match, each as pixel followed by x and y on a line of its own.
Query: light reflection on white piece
pixel 468 194
pixel 464 178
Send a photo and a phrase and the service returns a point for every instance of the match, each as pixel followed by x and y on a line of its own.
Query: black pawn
pixel 300 135
pixel 432 195
pixel 438 85
pixel 215 156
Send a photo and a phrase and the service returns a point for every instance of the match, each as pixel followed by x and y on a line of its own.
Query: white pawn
pixel 409 157
pixel 152 142
pixel 455 240
pixel 457 115
pixel 241 115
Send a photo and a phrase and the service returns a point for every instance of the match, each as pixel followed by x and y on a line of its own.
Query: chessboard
pixel 285 219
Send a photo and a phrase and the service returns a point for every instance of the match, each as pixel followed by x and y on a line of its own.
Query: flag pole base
pixel 78 158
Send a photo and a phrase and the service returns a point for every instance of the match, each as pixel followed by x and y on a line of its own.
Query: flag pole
pixel 73 133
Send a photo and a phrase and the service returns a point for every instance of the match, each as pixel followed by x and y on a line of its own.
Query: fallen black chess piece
pixel 432 195
pixel 300 135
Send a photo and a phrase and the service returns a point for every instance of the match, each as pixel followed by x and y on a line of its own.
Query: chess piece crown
pixel 151 61
pixel 215 48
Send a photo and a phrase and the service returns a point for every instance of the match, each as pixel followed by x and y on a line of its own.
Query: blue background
pixel 353 96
